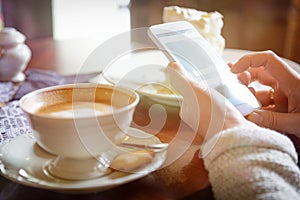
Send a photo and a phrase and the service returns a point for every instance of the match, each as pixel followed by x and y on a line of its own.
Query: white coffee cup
pixel 79 122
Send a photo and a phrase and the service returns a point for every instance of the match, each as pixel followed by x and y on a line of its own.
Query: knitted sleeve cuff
pixel 239 137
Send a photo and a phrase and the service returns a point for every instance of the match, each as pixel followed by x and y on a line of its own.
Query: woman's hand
pixel 281 104
pixel 203 109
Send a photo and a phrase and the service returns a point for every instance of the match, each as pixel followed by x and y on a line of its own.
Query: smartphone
pixel 181 42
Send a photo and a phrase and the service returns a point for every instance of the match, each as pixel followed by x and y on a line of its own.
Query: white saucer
pixel 23 161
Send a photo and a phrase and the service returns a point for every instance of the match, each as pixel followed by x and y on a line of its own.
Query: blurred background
pixel 250 25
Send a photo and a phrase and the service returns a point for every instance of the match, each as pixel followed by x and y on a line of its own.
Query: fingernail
pixel 232 68
pixel 173 65
pixel 255 117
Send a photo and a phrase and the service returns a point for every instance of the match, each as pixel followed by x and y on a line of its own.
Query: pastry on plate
pixel 208 24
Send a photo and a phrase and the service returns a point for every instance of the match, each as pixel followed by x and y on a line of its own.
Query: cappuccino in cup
pixel 69 109
pixel 78 123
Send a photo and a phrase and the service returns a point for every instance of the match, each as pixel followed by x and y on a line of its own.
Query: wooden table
pixel 184 177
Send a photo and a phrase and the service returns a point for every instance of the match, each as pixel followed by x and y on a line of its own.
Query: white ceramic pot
pixel 15 55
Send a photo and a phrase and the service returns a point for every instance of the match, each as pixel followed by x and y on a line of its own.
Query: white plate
pixel 22 161
pixel 144 67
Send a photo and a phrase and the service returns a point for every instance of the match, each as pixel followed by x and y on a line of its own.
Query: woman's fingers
pixel 181 81
pixel 204 109
pixel 266 59
pixel 200 107
pixel 245 78
pixel 189 111
pixel 282 122
pixel 265 97
pixel 257 74
pixel 273 65
pixel 270 99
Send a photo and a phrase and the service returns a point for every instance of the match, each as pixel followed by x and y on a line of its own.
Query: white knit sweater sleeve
pixel 252 163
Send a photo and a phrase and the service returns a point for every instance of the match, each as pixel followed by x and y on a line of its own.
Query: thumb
pixel 282 122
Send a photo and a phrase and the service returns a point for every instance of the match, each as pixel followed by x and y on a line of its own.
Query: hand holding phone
pixel 182 43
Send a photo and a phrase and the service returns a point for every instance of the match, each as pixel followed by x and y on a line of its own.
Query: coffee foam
pixel 70 109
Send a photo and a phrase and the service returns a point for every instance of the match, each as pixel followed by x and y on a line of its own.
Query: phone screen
pixel 199 67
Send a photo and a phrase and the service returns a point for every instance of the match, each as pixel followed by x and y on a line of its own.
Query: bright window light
pixel 97 19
